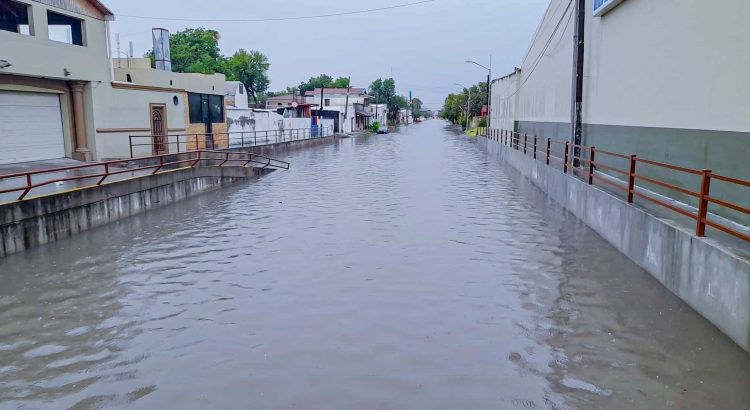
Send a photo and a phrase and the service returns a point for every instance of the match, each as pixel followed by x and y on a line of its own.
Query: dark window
pixel 129 78
pixel 14 17
pixel 65 29
pixel 213 111
pixel 327 102
pixel 175 100
pixel 242 89
pixel 216 107
pixel 196 108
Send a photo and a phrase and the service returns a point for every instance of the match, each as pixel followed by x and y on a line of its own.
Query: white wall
pixel 547 68
pixel 669 64
pixel 662 64
pixel 259 122
pixel 504 101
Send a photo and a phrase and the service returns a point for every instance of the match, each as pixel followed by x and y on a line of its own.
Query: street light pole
pixel 468 102
pixel 489 90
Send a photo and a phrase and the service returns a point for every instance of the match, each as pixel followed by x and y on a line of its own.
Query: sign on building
pixel 603 6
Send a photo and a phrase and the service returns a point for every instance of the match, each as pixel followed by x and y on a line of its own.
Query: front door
pixel 159 129
pixel 206 116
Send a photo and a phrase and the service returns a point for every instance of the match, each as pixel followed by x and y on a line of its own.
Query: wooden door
pixel 159 129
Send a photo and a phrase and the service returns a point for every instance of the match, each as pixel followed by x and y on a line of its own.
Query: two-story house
pixel 53 55
pixel 60 95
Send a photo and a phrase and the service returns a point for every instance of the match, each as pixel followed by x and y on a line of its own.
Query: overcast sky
pixel 424 45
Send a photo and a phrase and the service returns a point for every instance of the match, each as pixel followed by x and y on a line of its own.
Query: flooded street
pixel 406 271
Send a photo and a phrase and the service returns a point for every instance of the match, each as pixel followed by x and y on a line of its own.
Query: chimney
pixel 162 54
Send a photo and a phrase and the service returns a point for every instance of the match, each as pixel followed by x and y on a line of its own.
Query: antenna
pixel 117 39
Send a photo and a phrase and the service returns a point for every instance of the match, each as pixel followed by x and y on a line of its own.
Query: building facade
pixel 348 107
pixel 666 80
pixel 54 58
pixel 62 96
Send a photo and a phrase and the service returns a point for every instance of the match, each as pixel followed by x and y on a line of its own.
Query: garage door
pixel 30 127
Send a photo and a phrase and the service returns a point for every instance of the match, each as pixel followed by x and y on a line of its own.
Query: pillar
pixel 82 151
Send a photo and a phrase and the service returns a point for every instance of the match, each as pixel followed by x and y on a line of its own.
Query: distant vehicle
pixel 383 129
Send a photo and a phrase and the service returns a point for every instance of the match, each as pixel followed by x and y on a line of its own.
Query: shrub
pixel 375 126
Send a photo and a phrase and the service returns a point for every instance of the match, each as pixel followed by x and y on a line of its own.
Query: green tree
pixel 195 50
pixel 384 92
pixel 416 107
pixel 452 108
pixel 251 69
pixel 323 81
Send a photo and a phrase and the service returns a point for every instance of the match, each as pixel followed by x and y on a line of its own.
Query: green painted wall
pixel 726 153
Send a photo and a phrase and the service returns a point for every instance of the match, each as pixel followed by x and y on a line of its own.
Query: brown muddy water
pixel 405 271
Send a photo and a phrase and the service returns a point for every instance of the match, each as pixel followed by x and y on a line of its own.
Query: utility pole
pixel 576 120
pixel 320 111
pixel 489 95
pixel 346 106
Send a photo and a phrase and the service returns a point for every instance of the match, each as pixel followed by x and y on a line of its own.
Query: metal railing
pixel 102 173
pixel 588 163
pixel 174 143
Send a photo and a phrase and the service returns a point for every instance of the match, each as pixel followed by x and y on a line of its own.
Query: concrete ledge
pixel 711 278
pixel 56 216
pixel 279 147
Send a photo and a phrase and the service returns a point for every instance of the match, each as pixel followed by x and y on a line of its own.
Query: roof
pixel 101 7
pixel 335 91
pixel 285 97
pixel 231 88
pixel 85 7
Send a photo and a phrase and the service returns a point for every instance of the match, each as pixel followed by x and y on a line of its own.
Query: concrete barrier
pixel 710 277
pixel 285 146
pixel 56 216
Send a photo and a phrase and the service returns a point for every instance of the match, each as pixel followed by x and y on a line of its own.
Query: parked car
pixel 383 129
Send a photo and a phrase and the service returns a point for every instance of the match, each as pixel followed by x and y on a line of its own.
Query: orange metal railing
pixel 99 172
pixel 588 162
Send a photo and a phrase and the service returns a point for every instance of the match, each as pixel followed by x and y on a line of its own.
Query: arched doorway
pixel 159 129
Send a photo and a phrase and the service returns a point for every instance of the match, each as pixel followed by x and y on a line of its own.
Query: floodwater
pixel 406 271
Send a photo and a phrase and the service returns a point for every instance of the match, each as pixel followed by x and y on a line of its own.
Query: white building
pixel 236 95
pixel 666 80
pixel 354 116
pixel 379 113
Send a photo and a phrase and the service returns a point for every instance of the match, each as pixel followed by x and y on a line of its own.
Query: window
pixel 216 108
pixel 195 106
pixel 65 29
pixel 327 102
pixel 242 89
pixel 204 107
pixel 14 17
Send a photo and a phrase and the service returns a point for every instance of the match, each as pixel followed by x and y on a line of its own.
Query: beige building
pixel 54 56
pixel 158 109
pixel 60 96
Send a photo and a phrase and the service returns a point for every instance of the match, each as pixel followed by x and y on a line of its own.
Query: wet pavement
pixel 405 271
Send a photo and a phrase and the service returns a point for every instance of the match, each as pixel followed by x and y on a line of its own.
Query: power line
pixel 348 13
pixel 544 50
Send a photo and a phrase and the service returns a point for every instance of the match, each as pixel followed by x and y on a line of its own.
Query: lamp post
pixel 468 103
pixel 489 90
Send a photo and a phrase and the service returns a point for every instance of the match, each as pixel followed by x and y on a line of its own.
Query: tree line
pixel 454 107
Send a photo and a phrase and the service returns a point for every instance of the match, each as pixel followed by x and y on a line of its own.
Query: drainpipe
pixel 109 49
pixel 576 120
